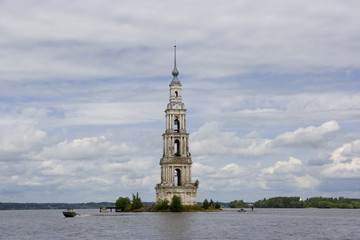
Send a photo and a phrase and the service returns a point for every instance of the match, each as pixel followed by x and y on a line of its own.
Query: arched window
pixel 176 125
pixel 176 94
pixel 177 177
pixel 177 147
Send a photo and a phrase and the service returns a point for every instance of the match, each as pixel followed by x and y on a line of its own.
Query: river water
pixel 259 224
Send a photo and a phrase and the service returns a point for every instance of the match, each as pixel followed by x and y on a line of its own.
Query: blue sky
pixel 271 90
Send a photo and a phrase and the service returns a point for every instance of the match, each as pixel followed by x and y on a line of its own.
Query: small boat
pixel 103 210
pixel 70 213
pixel 242 210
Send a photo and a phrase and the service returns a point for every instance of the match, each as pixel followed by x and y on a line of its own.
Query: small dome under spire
pixel 175 72
pixel 175 80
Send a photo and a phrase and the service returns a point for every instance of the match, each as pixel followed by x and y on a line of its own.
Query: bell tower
pixel 176 161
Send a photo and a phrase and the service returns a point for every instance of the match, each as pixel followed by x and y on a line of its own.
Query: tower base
pixel 186 193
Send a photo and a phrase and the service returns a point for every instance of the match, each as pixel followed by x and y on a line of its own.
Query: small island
pixel 123 204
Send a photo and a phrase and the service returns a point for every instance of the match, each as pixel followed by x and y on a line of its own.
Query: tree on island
pixel 162 205
pixel 176 205
pixel 206 204
pixel 122 203
pixel 212 204
pixel 136 202
pixel 217 205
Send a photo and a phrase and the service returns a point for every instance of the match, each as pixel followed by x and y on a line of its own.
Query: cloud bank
pixel 271 90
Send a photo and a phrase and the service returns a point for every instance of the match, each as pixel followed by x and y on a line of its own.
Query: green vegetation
pixel 212 204
pixel 197 183
pixel 341 202
pixel 280 202
pixel 206 204
pixel 237 204
pixel 193 208
pixel 136 202
pixel 162 205
pixel 176 205
pixel 123 203
pixel 315 202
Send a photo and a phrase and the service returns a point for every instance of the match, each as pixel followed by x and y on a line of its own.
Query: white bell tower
pixel 176 161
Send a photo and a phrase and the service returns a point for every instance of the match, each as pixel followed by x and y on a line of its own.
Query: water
pixel 260 224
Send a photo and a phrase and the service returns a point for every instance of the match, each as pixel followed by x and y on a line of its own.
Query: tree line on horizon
pixel 35 206
pixel 314 202
pixel 275 202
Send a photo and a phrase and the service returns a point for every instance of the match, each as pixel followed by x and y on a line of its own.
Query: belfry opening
pixel 177 147
pixel 176 125
pixel 176 162
pixel 177 177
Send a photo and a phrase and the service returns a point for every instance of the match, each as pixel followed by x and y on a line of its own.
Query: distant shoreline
pixel 43 206
pixel 276 202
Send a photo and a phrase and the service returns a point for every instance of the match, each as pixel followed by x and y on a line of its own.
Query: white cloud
pixel 111 113
pixel 56 168
pixel 345 162
pixel 95 148
pixel 229 171
pixel 257 147
pixel 249 108
pixel 199 169
pixel 349 150
pixel 225 178
pixel 320 159
pixel 309 136
pixel 211 141
pixel 287 176
pixel 306 182
pixel 21 139
pixel 292 166
pixel 82 95
pixel 87 38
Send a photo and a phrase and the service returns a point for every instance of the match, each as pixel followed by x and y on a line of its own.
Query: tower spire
pixel 175 54
pixel 175 72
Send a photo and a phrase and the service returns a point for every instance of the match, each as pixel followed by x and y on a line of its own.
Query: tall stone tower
pixel 176 161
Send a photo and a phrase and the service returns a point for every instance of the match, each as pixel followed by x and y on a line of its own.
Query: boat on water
pixel 103 210
pixel 242 210
pixel 70 213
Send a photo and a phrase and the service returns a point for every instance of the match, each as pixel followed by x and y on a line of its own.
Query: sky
pixel 271 88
